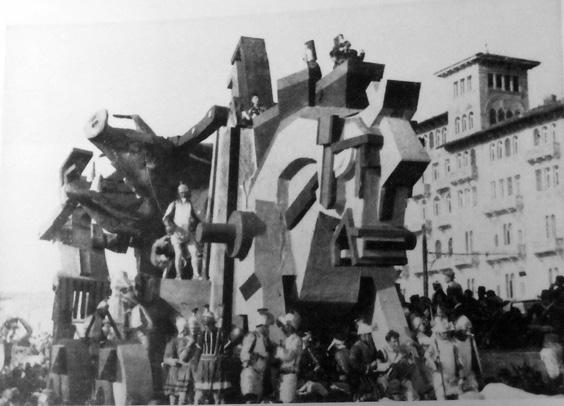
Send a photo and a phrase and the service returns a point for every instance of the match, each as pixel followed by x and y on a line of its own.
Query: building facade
pixel 491 202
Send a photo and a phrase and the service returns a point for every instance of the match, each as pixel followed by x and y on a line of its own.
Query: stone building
pixel 491 201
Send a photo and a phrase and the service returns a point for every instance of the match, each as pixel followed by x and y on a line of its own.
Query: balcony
pixel 467 261
pixel 506 253
pixel 509 204
pixel 444 221
pixel 464 174
pixel 442 184
pixel 543 152
pixel 549 246
pixel 421 190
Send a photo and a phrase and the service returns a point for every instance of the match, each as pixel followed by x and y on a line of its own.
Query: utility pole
pixel 424 253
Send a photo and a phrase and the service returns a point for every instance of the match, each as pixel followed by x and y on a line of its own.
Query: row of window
pixel 464 123
pixel 507 235
pixel 508 83
pixel 547 178
pixel 502 115
pixel 462 85
pixel 541 136
pixel 435 138
pixel 501 148
pixel 467 197
pixel 505 187
pixel 464 159
pixel 468 244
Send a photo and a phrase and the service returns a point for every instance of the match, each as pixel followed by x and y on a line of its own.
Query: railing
pixel 464 174
pixel 509 204
pixel 543 152
pixel 549 246
pixel 467 261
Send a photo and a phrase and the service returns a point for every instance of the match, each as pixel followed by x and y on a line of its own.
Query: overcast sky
pixel 170 63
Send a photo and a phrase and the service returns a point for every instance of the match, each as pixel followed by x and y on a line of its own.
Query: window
pixel 553 225
pixel 538 179
pixel 461 198
pixel 436 171
pixel 507 147
pixel 447 165
pixel 501 188
pixel 544 134
pixel 492 188
pixel 455 88
pixel 515 145
pixel 490 80
pixel 498 81
pixel 457 125
pixel 536 136
pixel 553 132
pixel 450 246
pixel 474 196
pixel 464 122
pixel 444 135
pixel 469 83
pixel 515 84
pixel 555 175
pixel 509 233
pixel 509 281
pixel 547 226
pixel 438 248
pixel 459 160
pixel 431 140
pixel 517 113
pixel 437 139
pixel 499 149
pixel 466 158
pixel 493 116
pixel 448 203
pixel 509 114
pixel 467 197
pixel 492 151
pixel 500 115
pixel 509 186
pixel 462 86
pixel 470 120
pixel 436 206
pixel 507 82
pixel 469 244
pixel 547 178
pixel 520 234
pixel 496 240
pixel 517 184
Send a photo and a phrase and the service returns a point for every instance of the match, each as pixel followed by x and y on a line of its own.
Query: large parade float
pixel 301 207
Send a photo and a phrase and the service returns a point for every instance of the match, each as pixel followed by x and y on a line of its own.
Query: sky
pixel 170 61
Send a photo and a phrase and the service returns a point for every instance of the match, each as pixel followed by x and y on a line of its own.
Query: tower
pixel 486 90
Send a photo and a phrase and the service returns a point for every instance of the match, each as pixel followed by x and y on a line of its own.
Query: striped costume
pixel 210 373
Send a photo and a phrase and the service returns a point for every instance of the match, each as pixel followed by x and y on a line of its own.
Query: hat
pixel 121 281
pixel 416 323
pixel 449 272
pixel 463 323
pixel 363 328
pixel 183 188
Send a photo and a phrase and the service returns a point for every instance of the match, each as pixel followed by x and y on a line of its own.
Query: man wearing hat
pixel 180 222
pixel 363 364
pixel 255 359
pixel 289 353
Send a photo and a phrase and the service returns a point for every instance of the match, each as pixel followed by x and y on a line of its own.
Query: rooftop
pixel 487 59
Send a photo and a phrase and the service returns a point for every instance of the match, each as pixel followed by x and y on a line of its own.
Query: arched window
pixel 457 125
pixel 444 135
pixel 509 234
pixel 492 151
pixel 450 246
pixel 499 149
pixel 436 206
pixel 515 145
pixel 438 248
pixel 536 136
pixel 470 120
pixel 509 114
pixel 448 203
pixel 437 138
pixel 431 140
pixel 493 116
pixel 500 115
pixel 544 134
pixel 517 113
pixel 466 158
pixel 464 123
pixel 507 147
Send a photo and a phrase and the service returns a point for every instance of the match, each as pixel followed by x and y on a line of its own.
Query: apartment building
pixel 491 202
